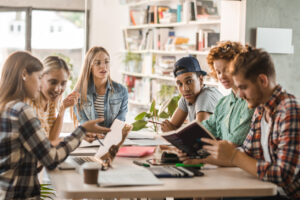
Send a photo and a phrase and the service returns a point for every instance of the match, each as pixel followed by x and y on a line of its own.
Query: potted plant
pixel 153 115
pixel 132 61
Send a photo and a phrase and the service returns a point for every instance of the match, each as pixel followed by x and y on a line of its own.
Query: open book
pixel 188 139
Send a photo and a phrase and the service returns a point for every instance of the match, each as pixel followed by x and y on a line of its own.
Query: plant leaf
pixel 138 125
pixel 172 107
pixel 140 116
pixel 152 107
pixel 164 115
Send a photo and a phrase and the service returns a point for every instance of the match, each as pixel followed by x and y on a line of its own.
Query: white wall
pixel 278 14
pixel 107 17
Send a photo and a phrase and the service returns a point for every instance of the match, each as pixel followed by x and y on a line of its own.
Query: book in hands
pixel 188 139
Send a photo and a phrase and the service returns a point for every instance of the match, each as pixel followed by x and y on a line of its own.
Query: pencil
pixel 154 122
pixel 99 141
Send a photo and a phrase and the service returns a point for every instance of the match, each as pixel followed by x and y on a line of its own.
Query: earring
pixel 24 78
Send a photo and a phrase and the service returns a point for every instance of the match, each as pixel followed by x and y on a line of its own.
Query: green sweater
pixel 230 120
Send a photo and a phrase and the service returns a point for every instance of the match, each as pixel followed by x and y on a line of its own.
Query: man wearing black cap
pixel 198 101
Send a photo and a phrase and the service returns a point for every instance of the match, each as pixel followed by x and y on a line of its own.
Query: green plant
pixel 129 56
pixel 154 114
pixel 166 92
pixel 47 192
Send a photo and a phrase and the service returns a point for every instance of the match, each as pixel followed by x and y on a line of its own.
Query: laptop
pixel 114 137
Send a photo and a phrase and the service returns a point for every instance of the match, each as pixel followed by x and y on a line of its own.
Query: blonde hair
pixel 86 73
pixel 85 76
pixel 11 83
pixel 225 50
pixel 54 62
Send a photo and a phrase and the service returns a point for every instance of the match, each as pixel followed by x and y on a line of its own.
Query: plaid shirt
pixel 22 144
pixel 284 142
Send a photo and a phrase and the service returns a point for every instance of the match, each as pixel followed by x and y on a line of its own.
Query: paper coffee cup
pixel 90 172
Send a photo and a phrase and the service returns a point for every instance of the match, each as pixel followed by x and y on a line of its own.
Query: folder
pixel 135 151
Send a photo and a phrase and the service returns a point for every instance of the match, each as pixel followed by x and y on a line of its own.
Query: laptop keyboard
pixel 81 160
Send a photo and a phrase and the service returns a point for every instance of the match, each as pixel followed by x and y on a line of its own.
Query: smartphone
pixel 155 161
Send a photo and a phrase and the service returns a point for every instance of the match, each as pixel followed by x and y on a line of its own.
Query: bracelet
pixel 82 128
pixel 233 155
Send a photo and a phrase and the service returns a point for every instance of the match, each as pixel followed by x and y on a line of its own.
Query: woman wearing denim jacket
pixel 100 97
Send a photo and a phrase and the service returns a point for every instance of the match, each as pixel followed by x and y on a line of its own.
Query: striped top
pixel 47 118
pixel 99 105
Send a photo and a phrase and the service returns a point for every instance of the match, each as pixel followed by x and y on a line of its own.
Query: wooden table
pixel 218 182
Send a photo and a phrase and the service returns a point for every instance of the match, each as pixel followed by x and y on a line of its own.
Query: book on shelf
pixel 137 16
pixel 188 139
pixel 164 65
pixel 206 38
pixel 205 9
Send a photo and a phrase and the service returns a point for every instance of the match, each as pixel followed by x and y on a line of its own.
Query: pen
pixel 141 164
pixel 154 122
pixel 99 141
pixel 188 165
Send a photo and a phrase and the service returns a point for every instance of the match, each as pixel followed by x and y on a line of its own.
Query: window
pixel 52 32
pixel 12 36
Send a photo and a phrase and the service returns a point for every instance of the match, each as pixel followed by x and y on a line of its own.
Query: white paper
pixel 141 135
pixel 95 143
pixel 114 137
pixel 127 176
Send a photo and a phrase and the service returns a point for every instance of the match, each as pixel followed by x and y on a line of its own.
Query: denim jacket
pixel 115 104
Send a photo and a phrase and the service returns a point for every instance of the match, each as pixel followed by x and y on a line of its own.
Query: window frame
pixel 28 22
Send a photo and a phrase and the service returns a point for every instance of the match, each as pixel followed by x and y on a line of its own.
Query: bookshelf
pixel 161 32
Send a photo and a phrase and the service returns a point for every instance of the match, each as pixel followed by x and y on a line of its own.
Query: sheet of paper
pixel 127 176
pixel 141 135
pixel 84 143
pixel 155 142
pixel 114 137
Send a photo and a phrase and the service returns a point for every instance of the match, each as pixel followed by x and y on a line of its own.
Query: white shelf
pixel 148 2
pixel 160 77
pixel 166 78
pixel 167 52
pixel 176 24
pixel 135 74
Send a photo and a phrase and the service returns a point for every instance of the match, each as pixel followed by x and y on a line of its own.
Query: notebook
pixel 135 151
pixel 113 137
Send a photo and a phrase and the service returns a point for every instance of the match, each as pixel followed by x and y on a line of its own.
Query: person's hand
pixel 167 126
pixel 221 151
pixel 113 150
pixel 71 100
pixel 90 137
pixel 126 129
pixel 93 127
pixel 186 160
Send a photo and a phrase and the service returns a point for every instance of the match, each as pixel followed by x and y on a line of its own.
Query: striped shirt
pixel 23 144
pixel 99 105
pixel 283 142
pixel 48 117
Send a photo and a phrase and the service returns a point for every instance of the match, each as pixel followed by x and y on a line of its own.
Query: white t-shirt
pixel 206 102
pixel 265 130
